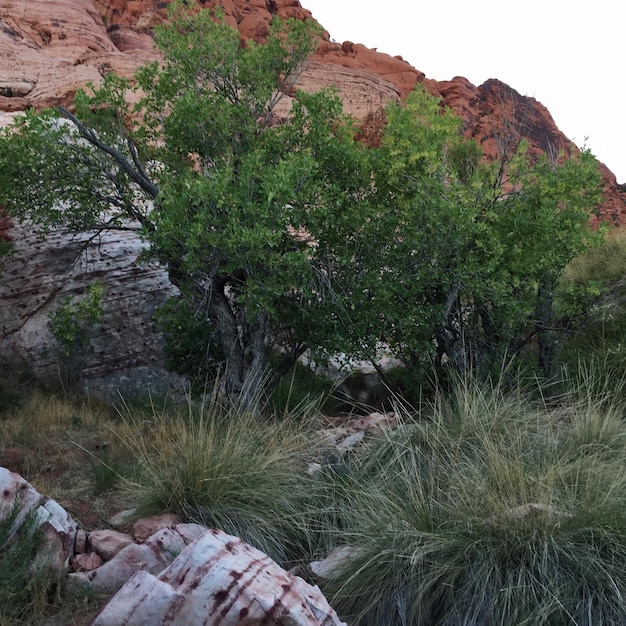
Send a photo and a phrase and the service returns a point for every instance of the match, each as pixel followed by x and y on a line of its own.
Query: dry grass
pixel 222 467
pixel 605 263
pixel 486 508
pixel 56 442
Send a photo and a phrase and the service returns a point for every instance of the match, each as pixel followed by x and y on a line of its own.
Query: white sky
pixel 568 54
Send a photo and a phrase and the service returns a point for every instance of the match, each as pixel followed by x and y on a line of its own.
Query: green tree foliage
pixel 284 233
pixel 472 252
pixel 72 326
pixel 253 212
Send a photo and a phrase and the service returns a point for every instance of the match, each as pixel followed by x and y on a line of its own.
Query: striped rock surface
pixel 151 556
pixel 28 510
pixel 218 580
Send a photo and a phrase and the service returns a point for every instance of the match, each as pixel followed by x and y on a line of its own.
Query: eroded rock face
pixel 218 579
pixel 497 116
pixel 40 274
pixel 47 50
pixel 50 49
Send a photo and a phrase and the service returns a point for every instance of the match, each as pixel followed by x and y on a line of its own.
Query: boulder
pixel 107 543
pixel 218 579
pixel 333 563
pixel 86 562
pixel 30 511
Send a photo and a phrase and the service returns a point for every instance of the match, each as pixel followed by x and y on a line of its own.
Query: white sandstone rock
pixel 219 579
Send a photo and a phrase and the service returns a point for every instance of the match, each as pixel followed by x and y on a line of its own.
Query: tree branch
pixel 137 174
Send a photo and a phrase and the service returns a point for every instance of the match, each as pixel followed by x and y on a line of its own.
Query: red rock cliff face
pixel 50 49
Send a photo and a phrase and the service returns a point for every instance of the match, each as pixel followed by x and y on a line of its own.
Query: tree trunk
pixel 449 333
pixel 544 320
pixel 243 345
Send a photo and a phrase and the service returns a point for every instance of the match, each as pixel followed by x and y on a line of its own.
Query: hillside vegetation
pixel 498 499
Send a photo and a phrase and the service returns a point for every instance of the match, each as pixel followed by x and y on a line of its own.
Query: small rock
pixel 107 543
pixel 530 511
pixel 330 436
pixel 374 421
pixel 335 560
pixel 313 468
pixel 351 441
pixel 146 527
pixel 86 562
pixel 123 518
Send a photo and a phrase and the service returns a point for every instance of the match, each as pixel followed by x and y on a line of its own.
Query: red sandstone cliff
pixel 50 49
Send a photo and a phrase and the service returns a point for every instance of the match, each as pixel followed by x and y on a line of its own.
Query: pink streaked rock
pixel 58 530
pixel 153 556
pixel 219 579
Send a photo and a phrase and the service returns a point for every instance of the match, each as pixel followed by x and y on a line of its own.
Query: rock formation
pixel 182 574
pixel 40 274
pixel 49 50
pixel 152 556
pixel 218 579
pixel 28 511
pixel 45 55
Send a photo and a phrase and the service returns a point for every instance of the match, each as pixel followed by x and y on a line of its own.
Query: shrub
pixel 191 344
pixel 72 325
pixel 594 284
pixel 223 467
pixel 487 509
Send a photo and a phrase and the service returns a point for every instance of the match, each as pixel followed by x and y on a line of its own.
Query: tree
pixel 252 209
pixel 479 247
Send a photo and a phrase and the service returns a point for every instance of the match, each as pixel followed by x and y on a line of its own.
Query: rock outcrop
pixel 27 511
pixel 153 555
pixel 182 574
pixel 40 274
pixel 49 50
pixel 495 115
pixel 218 579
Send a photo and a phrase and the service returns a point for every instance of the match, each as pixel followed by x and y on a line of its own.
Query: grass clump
pixel 593 298
pixel 27 584
pixel 487 509
pixel 219 466
pixel 603 263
